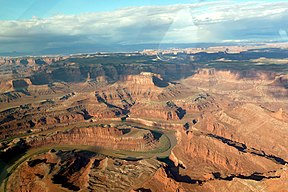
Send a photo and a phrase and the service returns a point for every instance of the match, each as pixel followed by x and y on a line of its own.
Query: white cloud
pixel 199 22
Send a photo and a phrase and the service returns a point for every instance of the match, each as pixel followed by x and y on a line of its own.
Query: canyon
pixel 134 122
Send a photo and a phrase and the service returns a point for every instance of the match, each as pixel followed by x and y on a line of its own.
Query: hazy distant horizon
pixel 64 51
pixel 114 48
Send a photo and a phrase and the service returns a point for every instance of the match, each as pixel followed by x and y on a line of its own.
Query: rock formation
pixel 113 122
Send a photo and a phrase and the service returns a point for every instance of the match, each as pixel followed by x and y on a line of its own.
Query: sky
pixel 35 26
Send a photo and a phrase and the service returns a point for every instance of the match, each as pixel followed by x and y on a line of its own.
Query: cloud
pixel 200 22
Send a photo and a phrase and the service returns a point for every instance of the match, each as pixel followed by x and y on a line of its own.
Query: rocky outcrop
pixel 80 171
pixel 22 124
pixel 161 182
pixel 109 137
pixel 30 61
pixel 199 150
